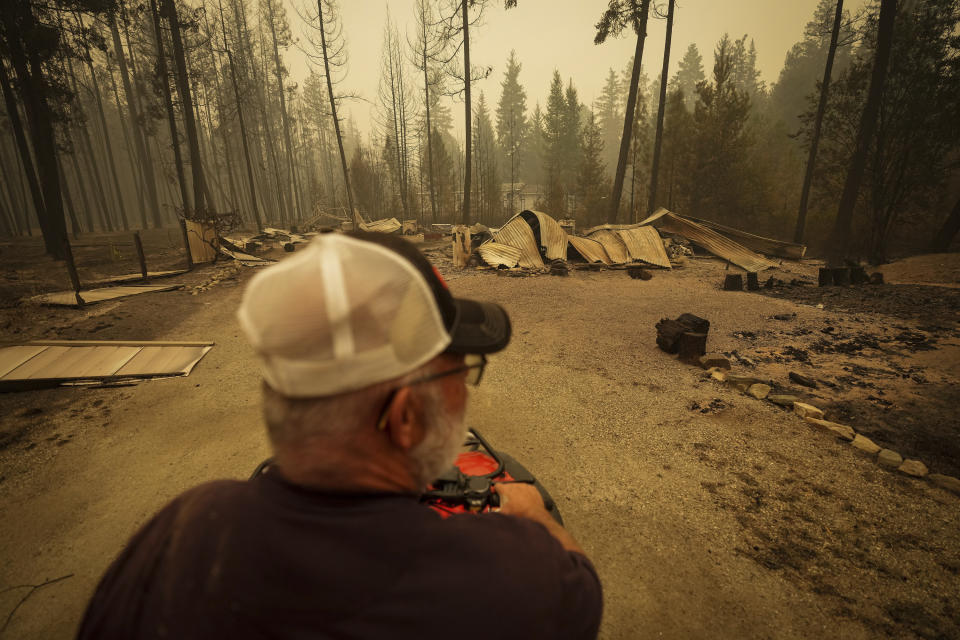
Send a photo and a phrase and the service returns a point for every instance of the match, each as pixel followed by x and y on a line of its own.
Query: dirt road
pixel 707 513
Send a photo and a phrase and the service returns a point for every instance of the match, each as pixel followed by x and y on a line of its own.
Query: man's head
pixel 364 355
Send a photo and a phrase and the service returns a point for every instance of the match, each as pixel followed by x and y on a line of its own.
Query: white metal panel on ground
pixel 13 357
pixel 553 239
pixel 165 360
pixel 496 254
pixel 613 244
pixel 66 361
pixel 709 240
pixel 69 299
pixel 591 250
pixel 645 244
pixel 518 234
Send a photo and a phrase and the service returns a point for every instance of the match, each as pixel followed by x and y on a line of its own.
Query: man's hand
pixel 523 500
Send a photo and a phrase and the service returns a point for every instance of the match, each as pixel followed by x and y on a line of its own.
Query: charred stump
pixel 733 282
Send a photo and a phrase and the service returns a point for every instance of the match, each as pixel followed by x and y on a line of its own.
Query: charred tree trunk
pixel 65 190
pixel 336 122
pixel 186 102
pixel 146 162
pixel 641 28
pixel 817 123
pixel 294 181
pixel 840 241
pixel 465 215
pixel 946 234
pixel 171 115
pixel 661 108
pixel 426 95
pixel 108 147
pixel 23 148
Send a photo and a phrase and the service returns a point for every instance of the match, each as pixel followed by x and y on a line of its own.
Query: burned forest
pixel 727 238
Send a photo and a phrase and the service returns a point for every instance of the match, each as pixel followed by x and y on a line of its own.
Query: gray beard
pixel 445 433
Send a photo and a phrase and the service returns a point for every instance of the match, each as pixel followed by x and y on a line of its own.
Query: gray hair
pixel 290 420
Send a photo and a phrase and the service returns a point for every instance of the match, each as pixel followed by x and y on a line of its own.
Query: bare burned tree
pixel 332 51
pixel 243 128
pixel 618 16
pixel 798 233
pixel 396 108
pixel 840 240
pixel 427 49
pixel 661 108
pixel 456 21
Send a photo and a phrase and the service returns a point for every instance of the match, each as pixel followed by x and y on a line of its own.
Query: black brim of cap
pixel 480 327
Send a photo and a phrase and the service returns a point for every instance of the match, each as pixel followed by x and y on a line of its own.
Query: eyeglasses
pixel 473 364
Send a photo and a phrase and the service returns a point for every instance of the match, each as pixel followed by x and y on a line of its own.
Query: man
pixel 365 357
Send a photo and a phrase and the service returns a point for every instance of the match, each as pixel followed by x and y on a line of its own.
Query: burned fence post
pixel 825 277
pixel 138 244
pixel 186 243
pixel 858 275
pixel 72 270
pixel 841 276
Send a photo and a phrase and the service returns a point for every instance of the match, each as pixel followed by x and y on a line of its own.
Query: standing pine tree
pixel 689 74
pixel 512 122
pixel 554 140
pixel 609 113
pixel 720 182
pixel 592 183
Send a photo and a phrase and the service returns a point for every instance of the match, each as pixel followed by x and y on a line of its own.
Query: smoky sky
pixel 558 34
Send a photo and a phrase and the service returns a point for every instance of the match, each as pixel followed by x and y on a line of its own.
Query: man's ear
pixel 403 426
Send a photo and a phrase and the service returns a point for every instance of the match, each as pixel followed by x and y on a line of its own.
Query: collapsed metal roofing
pixel 550 236
pixel 591 250
pixel 497 254
pixel 518 234
pixel 614 245
pixel 709 239
pixel 761 244
pixel 642 243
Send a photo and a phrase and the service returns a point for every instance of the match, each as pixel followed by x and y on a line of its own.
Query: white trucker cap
pixel 352 310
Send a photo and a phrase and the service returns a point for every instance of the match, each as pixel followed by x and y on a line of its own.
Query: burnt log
pixel 669 331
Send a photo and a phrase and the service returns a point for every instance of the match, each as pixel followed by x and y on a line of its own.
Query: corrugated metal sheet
pixel 591 250
pixel 613 244
pixel 645 244
pixel 57 362
pixel 553 239
pixel 518 234
pixel 387 225
pixel 709 240
pixel 760 244
pixel 496 254
pixel 69 299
